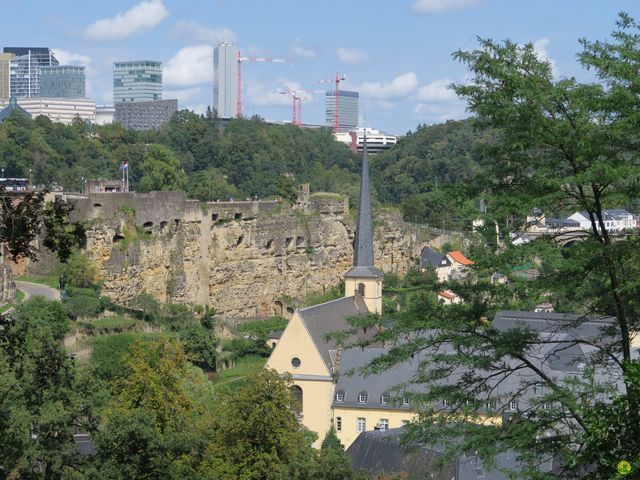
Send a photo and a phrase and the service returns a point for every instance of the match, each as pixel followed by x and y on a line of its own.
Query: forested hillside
pixel 246 157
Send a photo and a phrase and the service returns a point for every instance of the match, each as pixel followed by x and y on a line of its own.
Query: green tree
pixel 20 223
pixel 200 345
pixel 209 185
pixel 159 420
pixel 80 271
pixel 61 235
pixel 38 394
pixel 161 170
pixel 561 146
pixel 257 435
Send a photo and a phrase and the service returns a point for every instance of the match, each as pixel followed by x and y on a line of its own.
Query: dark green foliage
pixel 148 305
pixel 210 185
pixel 80 271
pixel 82 306
pixel 61 236
pixel 251 345
pixel 200 345
pixel 108 351
pixel 20 223
pixel 161 170
pixel 262 327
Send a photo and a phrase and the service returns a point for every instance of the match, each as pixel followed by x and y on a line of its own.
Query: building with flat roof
pixel 377 141
pixel 137 81
pixel 105 114
pixel 63 110
pixel 225 80
pixel 145 115
pixel 62 81
pixel 24 70
pixel 5 69
pixel 347 113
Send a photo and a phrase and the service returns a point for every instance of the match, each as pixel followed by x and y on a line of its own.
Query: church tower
pixel 364 279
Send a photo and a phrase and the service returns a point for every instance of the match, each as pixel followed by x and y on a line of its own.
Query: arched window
pixel 360 289
pixel 296 392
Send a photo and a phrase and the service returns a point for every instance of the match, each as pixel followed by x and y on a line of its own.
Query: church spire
pixel 363 246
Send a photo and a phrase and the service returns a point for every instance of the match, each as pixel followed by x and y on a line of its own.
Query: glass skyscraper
pixel 62 81
pixel 24 70
pixel 348 113
pixel 137 81
pixel 225 79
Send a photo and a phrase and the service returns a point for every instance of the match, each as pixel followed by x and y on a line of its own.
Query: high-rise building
pixel 24 74
pixel 137 81
pixel 225 79
pixel 348 112
pixel 5 64
pixel 62 81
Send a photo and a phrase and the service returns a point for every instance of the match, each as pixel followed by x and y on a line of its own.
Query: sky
pixel 397 54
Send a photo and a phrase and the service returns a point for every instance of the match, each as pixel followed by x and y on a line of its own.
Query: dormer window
pixel 362 397
pixel 406 402
pixel 513 405
pixel 384 398
pixel 340 396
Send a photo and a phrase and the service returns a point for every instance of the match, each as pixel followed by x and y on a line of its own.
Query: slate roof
pixel 351 381
pixel 433 259
pixel 275 335
pixel 331 317
pixel 379 452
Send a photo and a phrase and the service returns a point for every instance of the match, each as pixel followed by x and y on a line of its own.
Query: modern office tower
pixel 137 81
pixel 347 113
pixel 62 81
pixel 225 79
pixel 63 110
pixel 145 115
pixel 5 64
pixel 24 74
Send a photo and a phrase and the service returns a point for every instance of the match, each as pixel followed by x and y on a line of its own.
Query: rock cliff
pixel 241 258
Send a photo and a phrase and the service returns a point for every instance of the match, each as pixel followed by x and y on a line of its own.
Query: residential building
pixel 347 112
pixel 5 69
pixel 62 81
pixel 225 79
pixel 445 265
pixel 616 220
pixel 137 81
pixel 377 141
pixel 63 110
pixel 105 114
pixel 145 115
pixel 24 70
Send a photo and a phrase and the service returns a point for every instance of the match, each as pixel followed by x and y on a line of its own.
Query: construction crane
pixel 251 59
pixel 296 115
pixel 336 116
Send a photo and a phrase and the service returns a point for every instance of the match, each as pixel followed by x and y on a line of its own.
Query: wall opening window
pixel 340 396
pixel 384 398
pixel 362 397
pixel 383 424
pixel 295 361
pixel 361 425
pixel 491 405
pixel 513 405
pixel 338 424
pixel 360 289
pixel 405 401
pixel 296 392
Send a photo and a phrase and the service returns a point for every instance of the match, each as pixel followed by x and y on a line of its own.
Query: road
pixel 35 289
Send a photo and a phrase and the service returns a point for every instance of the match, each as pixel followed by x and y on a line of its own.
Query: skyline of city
pixel 397 57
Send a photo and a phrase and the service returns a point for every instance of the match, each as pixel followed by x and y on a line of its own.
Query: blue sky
pixel 396 53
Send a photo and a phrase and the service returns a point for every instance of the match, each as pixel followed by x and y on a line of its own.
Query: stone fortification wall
pixel 241 258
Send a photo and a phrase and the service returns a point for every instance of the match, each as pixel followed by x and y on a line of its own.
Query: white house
pixel 614 220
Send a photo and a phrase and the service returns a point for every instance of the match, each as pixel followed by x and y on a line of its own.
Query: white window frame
pixel 513 405
pixel 362 397
pixel 384 398
pixel 340 397
pixel 383 423
pixel 491 405
pixel 406 401
pixel 361 424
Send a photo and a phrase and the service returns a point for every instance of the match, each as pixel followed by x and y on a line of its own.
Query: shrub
pixel 81 306
pixel 200 345
pixel 80 271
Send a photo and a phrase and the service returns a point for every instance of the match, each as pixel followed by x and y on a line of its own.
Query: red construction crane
pixel 336 117
pixel 251 59
pixel 296 116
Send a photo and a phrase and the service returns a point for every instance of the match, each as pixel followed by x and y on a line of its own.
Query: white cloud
pixel 190 66
pixel 260 95
pixel 194 31
pixel 540 49
pixel 440 113
pixel 146 14
pixel 300 51
pixel 439 6
pixel 400 86
pixel 437 91
pixel 351 55
pixel 70 58
pixel 183 95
